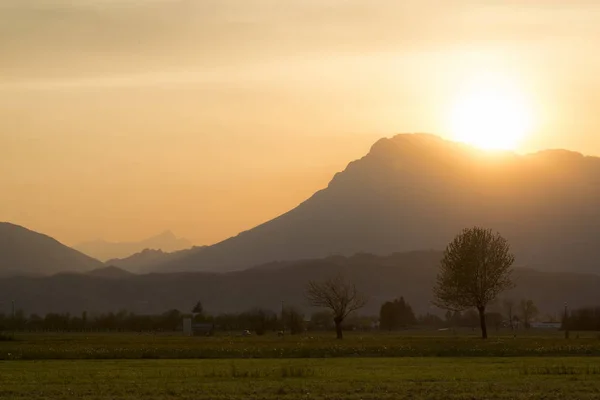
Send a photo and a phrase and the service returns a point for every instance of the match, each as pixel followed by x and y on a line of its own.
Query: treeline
pixel 584 319
pixel 398 314
pixel 256 320
pixel 120 321
pixel 394 315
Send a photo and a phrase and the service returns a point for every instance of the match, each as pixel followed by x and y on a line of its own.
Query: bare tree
pixel 476 268
pixel 339 296
pixel 528 312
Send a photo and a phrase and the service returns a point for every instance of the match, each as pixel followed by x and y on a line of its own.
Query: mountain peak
pixel 417 191
pixel 103 250
pixel 166 235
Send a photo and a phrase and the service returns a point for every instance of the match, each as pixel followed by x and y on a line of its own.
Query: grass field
pixel 407 344
pixel 349 378
pixel 408 365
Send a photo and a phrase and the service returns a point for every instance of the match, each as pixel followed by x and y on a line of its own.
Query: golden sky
pixel 122 118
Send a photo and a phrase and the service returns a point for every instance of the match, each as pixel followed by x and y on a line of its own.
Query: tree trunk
pixel 338 328
pixel 482 322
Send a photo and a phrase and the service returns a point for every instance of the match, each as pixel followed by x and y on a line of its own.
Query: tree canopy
pixel 475 269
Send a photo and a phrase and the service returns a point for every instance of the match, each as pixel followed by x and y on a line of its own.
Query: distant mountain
pixel 418 191
pixel 24 252
pixel 148 260
pixel 381 278
pixel 103 250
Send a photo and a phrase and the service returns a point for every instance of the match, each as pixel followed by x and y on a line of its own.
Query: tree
pixel 198 309
pixel 476 268
pixel 339 296
pixel 509 307
pixel 528 312
pixel 293 320
pixel 396 314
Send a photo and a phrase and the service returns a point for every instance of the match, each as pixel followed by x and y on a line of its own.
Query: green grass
pixel 350 378
pixel 133 346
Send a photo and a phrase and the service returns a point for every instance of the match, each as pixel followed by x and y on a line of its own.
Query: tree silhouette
pixel 198 308
pixel 476 268
pixel 528 312
pixel 339 296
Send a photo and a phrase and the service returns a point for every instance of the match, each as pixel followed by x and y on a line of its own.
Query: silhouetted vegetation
pixel 528 312
pixel 341 297
pixel 584 319
pixel 476 268
pixel 396 314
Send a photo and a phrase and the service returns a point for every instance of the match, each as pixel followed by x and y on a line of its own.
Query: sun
pixel 491 113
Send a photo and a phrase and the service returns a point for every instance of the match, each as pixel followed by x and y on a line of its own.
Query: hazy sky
pixel 122 118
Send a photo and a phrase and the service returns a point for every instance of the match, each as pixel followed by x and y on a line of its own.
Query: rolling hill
pixel 148 260
pixel 24 252
pixel 416 192
pixel 381 278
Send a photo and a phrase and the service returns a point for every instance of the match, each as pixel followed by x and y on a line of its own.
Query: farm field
pixel 399 365
pixel 63 346
pixel 342 378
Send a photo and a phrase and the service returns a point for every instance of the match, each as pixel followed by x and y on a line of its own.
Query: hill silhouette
pixel 103 250
pixel 148 259
pixel 24 252
pixel 381 278
pixel 416 192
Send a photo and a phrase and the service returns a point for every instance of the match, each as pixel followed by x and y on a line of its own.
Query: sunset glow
pixel 491 113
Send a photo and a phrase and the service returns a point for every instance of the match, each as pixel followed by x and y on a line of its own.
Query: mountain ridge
pixel 105 250
pixel 26 252
pixel 416 192
pixel 381 279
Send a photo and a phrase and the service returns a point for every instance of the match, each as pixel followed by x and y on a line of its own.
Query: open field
pixel 350 378
pixel 321 345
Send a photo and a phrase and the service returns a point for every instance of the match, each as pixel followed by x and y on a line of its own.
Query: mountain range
pixel 416 192
pixel 410 192
pixel 381 278
pixel 408 197
pixel 148 260
pixel 103 250
pixel 24 252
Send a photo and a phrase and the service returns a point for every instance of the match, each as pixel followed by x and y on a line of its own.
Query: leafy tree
pixel 528 312
pixel 339 296
pixel 396 314
pixel 476 268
